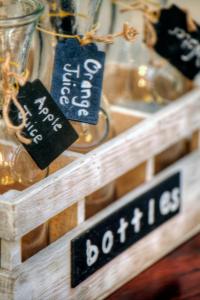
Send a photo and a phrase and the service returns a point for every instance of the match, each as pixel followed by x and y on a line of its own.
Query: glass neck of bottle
pixel 14 40
pixel 89 8
pixel 84 13
pixel 17 23
pixel 16 29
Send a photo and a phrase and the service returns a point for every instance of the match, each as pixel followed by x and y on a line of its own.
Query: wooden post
pixel 10 254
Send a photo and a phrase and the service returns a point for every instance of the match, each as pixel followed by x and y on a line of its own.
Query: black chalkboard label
pixel 46 126
pixel 104 241
pixel 77 80
pixel 175 43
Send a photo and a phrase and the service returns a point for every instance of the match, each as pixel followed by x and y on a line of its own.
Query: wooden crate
pixel 136 150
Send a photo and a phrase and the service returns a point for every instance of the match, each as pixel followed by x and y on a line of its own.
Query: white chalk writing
pixel 70 80
pixel 187 43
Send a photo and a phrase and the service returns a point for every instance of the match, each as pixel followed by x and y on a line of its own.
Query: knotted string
pixel 150 15
pixel 10 84
pixel 128 33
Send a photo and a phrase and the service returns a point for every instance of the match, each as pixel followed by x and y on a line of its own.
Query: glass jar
pixel 135 75
pixel 17 169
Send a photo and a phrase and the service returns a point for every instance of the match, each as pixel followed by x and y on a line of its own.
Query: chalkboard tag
pixel 46 125
pixel 108 238
pixel 77 80
pixel 175 43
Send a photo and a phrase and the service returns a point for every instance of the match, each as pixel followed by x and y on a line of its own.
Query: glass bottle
pixel 17 169
pixel 91 136
pixel 84 15
pixel 16 28
pixel 136 76
pixel 41 62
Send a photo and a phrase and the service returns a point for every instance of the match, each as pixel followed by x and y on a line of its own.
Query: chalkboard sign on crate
pixel 157 210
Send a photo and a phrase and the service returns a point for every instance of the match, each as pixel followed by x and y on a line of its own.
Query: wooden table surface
pixel 176 277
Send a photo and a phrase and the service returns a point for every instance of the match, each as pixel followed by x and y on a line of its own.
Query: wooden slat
pixel 6 286
pixel 130 112
pixel 39 203
pixel 81 212
pixel 10 254
pixel 47 275
pixel 7 230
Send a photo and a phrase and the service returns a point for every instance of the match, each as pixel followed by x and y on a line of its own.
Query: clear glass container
pixel 135 75
pixel 17 169
pixel 84 15
pixel 17 23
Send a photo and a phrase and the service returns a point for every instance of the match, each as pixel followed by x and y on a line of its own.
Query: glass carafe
pixel 17 169
pixel 17 23
pixel 84 15
pixel 136 76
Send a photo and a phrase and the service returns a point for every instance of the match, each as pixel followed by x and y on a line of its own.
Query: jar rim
pixel 38 9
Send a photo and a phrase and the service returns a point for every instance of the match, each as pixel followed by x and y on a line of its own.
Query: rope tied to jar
pixel 128 33
pixel 151 13
pixel 10 85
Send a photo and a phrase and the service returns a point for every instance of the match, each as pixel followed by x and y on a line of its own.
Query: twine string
pixel 128 33
pixel 10 84
pixel 150 11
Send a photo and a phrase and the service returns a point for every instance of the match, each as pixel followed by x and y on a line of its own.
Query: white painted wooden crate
pixel 47 275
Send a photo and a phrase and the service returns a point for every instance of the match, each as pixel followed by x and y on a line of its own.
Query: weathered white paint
pixel 46 276
pixel 26 210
